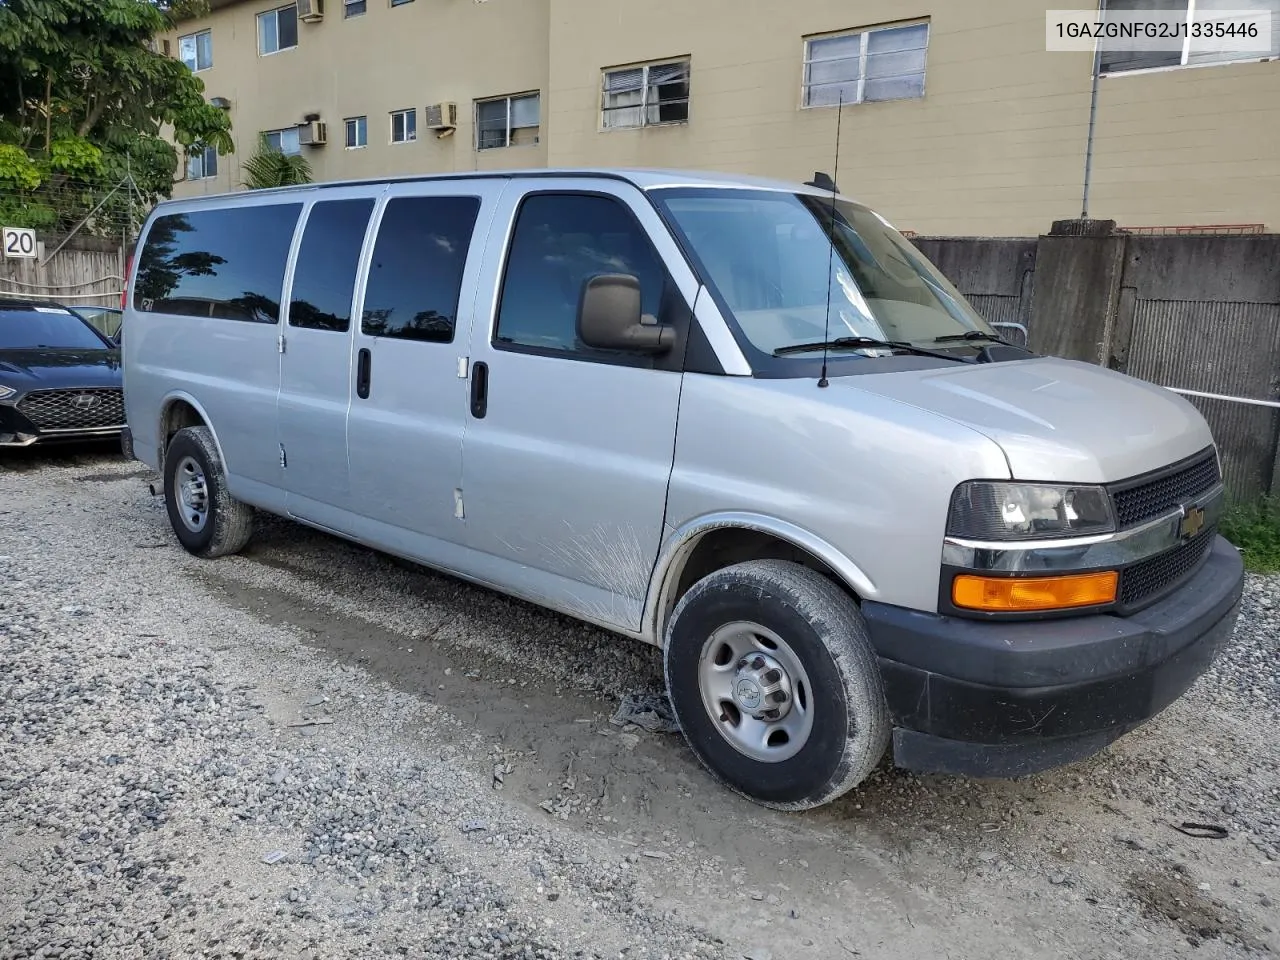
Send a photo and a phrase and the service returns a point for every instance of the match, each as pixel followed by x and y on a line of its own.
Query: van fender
pixel 187 398
pixel 680 544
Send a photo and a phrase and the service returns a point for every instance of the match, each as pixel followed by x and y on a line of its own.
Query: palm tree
pixel 271 167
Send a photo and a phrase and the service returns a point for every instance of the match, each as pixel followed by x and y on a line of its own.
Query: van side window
pixel 415 278
pixel 226 263
pixel 561 240
pixel 324 279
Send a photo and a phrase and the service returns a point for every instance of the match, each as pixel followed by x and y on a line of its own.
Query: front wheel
pixel 207 521
pixel 775 683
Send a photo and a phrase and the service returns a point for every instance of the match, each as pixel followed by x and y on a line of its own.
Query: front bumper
pixel 18 430
pixel 1006 699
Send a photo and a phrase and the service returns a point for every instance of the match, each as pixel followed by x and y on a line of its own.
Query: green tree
pixel 86 99
pixel 272 167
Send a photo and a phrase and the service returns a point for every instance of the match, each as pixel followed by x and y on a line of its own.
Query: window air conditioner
pixel 313 133
pixel 442 116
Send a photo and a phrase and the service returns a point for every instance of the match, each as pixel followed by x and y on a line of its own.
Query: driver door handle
pixel 363 363
pixel 479 390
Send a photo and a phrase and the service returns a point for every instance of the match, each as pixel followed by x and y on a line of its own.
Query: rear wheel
pixel 775 683
pixel 207 521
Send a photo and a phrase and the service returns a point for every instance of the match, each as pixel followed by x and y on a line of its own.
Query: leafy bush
pixel 1255 529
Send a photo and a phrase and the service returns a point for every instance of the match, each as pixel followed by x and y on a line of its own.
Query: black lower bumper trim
pixel 925 754
pixel 973 697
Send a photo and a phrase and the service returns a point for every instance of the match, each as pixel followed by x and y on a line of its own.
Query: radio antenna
pixel 831 239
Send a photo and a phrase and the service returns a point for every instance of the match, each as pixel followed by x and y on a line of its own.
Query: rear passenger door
pixel 315 367
pixel 408 409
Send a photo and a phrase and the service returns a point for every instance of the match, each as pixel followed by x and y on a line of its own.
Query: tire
pixel 837 727
pixel 223 525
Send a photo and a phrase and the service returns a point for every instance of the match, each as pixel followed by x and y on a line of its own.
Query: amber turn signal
pixel 1016 594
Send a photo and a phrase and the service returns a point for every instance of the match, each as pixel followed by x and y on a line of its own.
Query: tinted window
pixel 226 263
pixel 325 277
pixel 560 241
pixel 45 328
pixel 416 274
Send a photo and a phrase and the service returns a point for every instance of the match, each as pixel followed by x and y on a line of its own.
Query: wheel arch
pixel 712 542
pixel 178 410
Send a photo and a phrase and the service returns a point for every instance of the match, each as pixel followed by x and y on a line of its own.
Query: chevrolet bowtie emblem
pixel 1192 522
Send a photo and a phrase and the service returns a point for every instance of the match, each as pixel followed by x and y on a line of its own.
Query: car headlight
pixel 6 392
pixel 995 510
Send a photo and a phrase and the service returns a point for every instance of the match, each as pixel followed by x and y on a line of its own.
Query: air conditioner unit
pixel 310 11
pixel 313 134
pixel 442 116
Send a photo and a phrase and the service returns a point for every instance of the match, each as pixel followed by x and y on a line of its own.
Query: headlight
pixel 986 510
pixel 6 392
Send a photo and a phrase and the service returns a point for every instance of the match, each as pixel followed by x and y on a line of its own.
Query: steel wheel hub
pixel 761 687
pixel 193 494
pixel 756 692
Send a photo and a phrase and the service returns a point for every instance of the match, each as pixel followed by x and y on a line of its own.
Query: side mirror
pixel 609 317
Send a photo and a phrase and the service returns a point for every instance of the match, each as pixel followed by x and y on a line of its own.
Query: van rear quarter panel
pixel 229 368
pixel 870 477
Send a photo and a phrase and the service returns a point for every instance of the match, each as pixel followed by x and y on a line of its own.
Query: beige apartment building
pixel 956 119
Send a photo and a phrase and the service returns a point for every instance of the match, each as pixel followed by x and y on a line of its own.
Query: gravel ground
pixel 311 750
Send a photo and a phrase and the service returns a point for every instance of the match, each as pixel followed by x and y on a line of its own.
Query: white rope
pixel 114 294
pixel 1218 396
pixel 60 286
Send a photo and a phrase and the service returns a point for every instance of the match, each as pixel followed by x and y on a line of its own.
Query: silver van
pixel 743 420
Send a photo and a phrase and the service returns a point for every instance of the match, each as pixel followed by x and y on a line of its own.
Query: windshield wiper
pixel 857 343
pixel 970 335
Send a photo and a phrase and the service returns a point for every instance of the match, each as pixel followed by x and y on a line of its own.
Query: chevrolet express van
pixel 743 420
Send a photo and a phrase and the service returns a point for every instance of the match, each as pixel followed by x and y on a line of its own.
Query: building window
pixel 203 165
pixel 357 132
pixel 404 126
pixel 1195 51
pixel 285 140
pixel 507 121
pixel 646 95
pixel 353 8
pixel 196 50
pixel 884 63
pixel 400 3
pixel 278 29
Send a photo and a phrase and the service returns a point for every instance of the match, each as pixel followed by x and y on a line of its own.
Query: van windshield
pixel 768 257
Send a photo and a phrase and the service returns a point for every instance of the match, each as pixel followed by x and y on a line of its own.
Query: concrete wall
pixel 995 147
pixel 997 276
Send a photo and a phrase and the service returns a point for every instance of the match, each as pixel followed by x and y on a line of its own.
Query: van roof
pixel 645 178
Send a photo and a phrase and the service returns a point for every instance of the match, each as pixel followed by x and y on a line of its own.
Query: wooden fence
pixel 86 272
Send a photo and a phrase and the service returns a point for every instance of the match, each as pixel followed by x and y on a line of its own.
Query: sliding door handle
pixel 479 389
pixel 363 362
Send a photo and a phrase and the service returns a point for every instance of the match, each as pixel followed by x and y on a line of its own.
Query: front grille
pixel 86 409
pixel 1148 580
pixel 1141 500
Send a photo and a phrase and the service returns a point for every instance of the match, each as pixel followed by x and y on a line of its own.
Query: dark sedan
pixel 59 377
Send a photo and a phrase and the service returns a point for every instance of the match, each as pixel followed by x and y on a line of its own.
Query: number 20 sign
pixel 18 242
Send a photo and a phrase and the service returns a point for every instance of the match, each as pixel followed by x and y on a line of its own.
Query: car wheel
pixel 775 683
pixel 207 521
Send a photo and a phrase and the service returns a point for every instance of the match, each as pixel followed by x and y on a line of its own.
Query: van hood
pixel 1055 420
